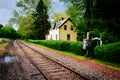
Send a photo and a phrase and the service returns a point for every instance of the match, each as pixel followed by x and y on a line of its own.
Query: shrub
pixel 108 52
pixel 5 40
pixel 70 46
pixel 94 33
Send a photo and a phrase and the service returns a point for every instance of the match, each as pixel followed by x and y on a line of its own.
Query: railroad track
pixel 31 72
pixel 50 69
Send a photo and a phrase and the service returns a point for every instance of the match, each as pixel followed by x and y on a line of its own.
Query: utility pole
pixel 44 12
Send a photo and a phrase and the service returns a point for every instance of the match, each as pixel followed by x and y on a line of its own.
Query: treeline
pixel 32 18
pixel 99 17
pixel 8 32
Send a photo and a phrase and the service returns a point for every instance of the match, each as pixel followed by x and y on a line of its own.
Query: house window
pixel 51 36
pixel 71 28
pixel 68 37
pixel 56 36
pixel 65 27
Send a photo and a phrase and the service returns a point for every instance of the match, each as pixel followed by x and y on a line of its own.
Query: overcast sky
pixel 7 7
pixel 58 6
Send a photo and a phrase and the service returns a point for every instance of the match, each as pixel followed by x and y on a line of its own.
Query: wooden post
pixel 88 35
pixel 87 38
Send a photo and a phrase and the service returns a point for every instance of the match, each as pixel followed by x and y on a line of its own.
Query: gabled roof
pixel 63 22
pixel 60 23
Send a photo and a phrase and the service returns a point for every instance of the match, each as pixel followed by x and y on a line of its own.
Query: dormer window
pixel 65 27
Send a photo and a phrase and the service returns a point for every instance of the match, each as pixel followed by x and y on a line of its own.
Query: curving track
pixel 47 68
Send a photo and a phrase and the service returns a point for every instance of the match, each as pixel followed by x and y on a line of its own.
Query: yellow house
pixel 62 30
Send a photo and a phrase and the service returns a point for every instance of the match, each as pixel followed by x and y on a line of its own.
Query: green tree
pixel 28 6
pixel 1 25
pixel 26 27
pixel 108 12
pixel 15 19
pixel 41 24
pixel 26 18
pixel 58 16
pixel 1 32
pixel 76 12
pixel 9 32
pixel 102 15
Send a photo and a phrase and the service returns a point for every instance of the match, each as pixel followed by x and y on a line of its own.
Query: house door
pixel 68 37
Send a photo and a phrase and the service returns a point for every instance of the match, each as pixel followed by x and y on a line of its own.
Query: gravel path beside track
pixel 86 71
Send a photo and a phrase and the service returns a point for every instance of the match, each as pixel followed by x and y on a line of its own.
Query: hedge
pixel 75 47
pixel 108 52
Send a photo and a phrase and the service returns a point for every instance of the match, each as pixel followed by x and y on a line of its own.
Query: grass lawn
pixel 112 65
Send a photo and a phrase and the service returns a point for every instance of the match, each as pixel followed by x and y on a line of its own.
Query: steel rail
pixel 32 61
pixel 55 61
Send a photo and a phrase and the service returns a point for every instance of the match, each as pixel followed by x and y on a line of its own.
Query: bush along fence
pixel 108 52
pixel 75 47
